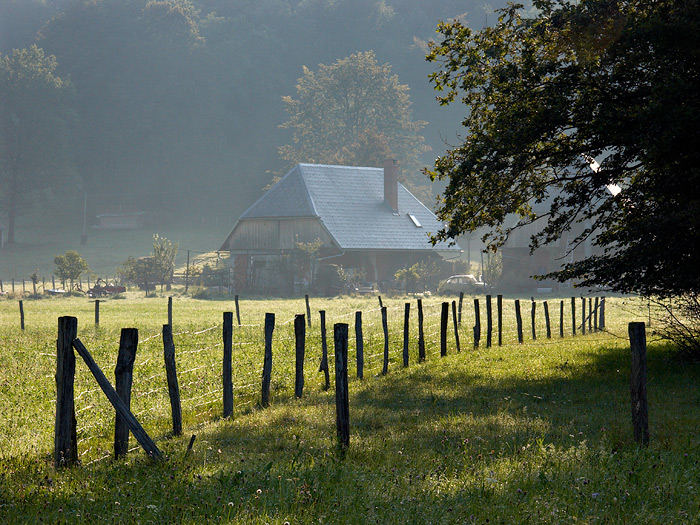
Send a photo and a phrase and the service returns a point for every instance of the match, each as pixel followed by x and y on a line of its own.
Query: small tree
pixel 142 271
pixel 35 279
pixel 164 252
pixel 69 267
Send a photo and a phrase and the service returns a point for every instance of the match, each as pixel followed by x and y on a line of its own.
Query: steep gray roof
pixel 349 201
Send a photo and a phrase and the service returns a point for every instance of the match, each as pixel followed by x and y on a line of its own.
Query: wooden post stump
pixel 267 362
pixel 499 306
pixel 444 313
pixel 300 342
pixel 455 324
pixel 21 314
pixel 421 334
pixel 519 321
pixel 308 309
pixel 573 316
pixel 97 312
pixel 546 320
pixel 65 435
pixel 171 374
pixel 342 403
pixel 123 378
pixel 359 346
pixel 170 311
pixel 406 318
pixel 601 321
pixel 561 318
pixel 533 306
pixel 461 298
pixel 477 324
pixel 324 352
pixel 638 382
pixel 385 329
pixel 489 321
pixel 227 371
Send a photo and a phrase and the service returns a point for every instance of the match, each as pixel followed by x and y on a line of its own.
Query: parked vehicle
pixel 103 288
pixel 461 283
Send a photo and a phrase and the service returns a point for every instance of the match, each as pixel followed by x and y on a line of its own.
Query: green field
pixel 530 433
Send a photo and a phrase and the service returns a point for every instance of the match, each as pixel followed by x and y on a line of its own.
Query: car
pixel 461 283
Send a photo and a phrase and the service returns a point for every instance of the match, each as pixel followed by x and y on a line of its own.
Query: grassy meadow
pixel 532 433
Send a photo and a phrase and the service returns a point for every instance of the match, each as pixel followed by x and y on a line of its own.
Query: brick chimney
pixel 391 183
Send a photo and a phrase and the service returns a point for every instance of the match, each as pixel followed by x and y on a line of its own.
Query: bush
pixel 680 322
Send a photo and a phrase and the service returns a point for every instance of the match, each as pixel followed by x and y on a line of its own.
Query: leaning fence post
pixel 21 314
pixel 601 322
pixel 227 378
pixel 308 309
pixel 561 318
pixel 385 329
pixel 519 321
pixel 238 310
pixel 573 316
pixel 171 373
pixel 170 311
pixel 499 306
pixel 299 339
pixel 342 403
pixel 136 429
pixel 455 325
pixel 638 382
pixel 381 304
pixel 489 321
pixel 546 320
pixel 324 351
pixel 477 323
pixel 444 313
pixel 65 435
pixel 406 317
pixel 421 334
pixel 123 378
pixel 359 346
pixel 97 312
pixel 267 362
pixel 533 306
pixel 461 298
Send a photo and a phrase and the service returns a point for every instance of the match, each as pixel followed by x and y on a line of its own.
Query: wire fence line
pixel 199 358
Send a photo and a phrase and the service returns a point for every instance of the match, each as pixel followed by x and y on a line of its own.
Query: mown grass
pixel 538 432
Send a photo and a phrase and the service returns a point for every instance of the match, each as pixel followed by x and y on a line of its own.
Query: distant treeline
pixel 179 102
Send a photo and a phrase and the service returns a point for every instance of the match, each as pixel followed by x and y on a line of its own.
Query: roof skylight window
pixel 415 221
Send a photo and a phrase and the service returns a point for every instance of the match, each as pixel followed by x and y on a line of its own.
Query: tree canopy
pixel 548 94
pixel 355 112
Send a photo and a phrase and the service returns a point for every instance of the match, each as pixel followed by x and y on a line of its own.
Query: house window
pixel 415 221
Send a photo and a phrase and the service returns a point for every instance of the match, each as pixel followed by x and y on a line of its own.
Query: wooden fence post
pixel 583 316
pixel 519 321
pixel 477 323
pixel 13 285
pixel 324 351
pixel 406 318
pixel 461 298
pixel 601 321
pixel 171 373
pixel 533 306
pixel 590 314
pixel 489 321
pixel 385 329
pixel 421 334
pixel 97 312
pixel 300 340
pixel 308 309
pixel 227 371
pixel 359 346
pixel 136 429
pixel 123 378
pixel 65 436
pixel 499 306
pixel 561 318
pixel 170 311
pixel 53 282
pixel 455 324
pixel 638 382
pixel 381 304
pixel 595 315
pixel 444 313
pixel 238 310
pixel 267 362
pixel 546 320
pixel 21 314
pixel 2 289
pixel 342 403
pixel 573 316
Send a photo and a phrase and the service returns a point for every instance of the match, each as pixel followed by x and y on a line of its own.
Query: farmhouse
pixel 361 219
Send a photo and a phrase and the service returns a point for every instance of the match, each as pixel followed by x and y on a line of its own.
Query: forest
pixel 178 106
